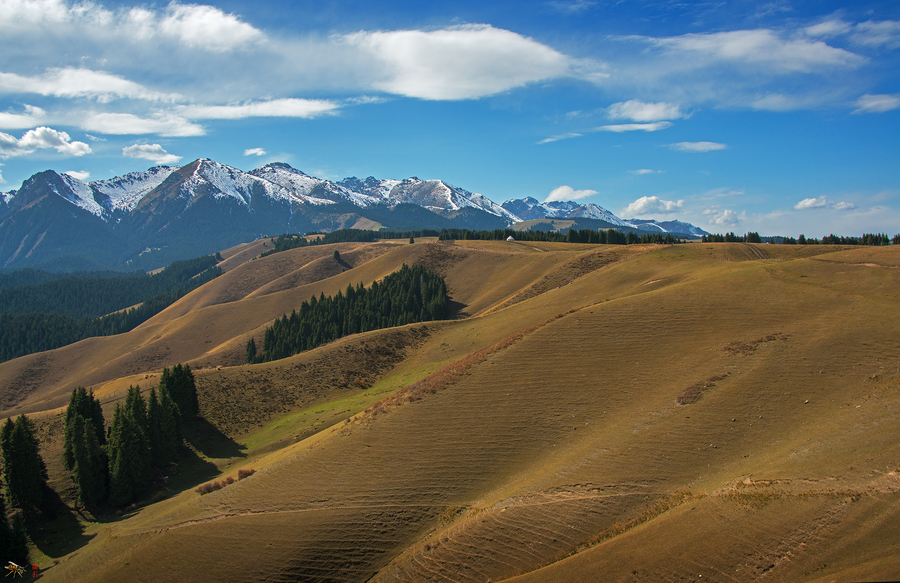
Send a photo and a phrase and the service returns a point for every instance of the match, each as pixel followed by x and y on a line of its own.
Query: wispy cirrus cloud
pixel 31 117
pixel 305 108
pixel 698 147
pixel 635 127
pixel 640 111
pixel 643 171
pixel 72 83
pixel 877 103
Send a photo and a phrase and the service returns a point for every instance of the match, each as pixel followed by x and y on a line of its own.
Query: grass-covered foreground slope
pixel 593 413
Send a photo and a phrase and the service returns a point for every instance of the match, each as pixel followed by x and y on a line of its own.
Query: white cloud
pixel 642 171
pixel 822 202
pixel 720 217
pixel 462 62
pixel 306 108
pixel 884 33
pixel 164 124
pixel 639 111
pixel 877 103
pixel 204 27
pixel 560 137
pixel 633 127
pixel 41 138
pixel 254 152
pixel 811 203
pixel 79 174
pixel 697 146
pixel 573 6
pixel 568 193
pixel 648 205
pixel 193 26
pixel 71 82
pixel 153 152
pixel 829 28
pixel 19 121
pixel 759 47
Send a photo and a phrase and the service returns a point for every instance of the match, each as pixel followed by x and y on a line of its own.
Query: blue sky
pixel 777 117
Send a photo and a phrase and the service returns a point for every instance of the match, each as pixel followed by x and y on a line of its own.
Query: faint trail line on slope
pixel 448 375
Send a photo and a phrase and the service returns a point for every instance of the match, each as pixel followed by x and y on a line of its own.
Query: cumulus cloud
pixel 822 202
pixel 153 152
pixel 649 205
pixel 164 124
pixel 462 62
pixel 254 152
pixel 635 127
pixel 643 112
pixel 697 146
pixel 877 103
pixel 79 174
pixel 720 217
pixel 568 193
pixel 204 27
pixel 71 82
pixel 306 108
pixel 811 203
pixel 41 138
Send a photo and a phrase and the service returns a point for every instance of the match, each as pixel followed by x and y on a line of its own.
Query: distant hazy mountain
pixel 151 218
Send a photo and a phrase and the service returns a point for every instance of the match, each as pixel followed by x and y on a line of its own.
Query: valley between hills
pixel 694 412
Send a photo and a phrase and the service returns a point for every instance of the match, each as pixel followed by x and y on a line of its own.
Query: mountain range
pixel 144 220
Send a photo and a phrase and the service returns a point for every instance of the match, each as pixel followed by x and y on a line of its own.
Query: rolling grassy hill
pixel 730 411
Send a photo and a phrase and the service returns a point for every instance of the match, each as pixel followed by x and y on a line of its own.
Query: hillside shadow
pixel 456 311
pixel 58 532
pixel 209 441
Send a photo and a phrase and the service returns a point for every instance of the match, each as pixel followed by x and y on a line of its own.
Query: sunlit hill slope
pixel 613 413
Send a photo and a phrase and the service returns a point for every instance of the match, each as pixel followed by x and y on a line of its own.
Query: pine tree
pixel 23 467
pixel 129 452
pixel 90 467
pixel 170 427
pixel 18 550
pixel 251 351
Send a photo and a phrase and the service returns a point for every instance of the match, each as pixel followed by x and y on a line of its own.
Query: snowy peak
pixel 530 208
pixel 667 226
pixel 123 193
pixel 299 185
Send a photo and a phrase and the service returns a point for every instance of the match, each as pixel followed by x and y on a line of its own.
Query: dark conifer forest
pixel 412 294
pixel 56 312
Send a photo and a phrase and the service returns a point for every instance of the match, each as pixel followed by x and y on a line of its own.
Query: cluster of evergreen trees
pixel 866 239
pixel 730 237
pixel 113 466
pixel 25 476
pixel 56 308
pixel 597 236
pixel 412 294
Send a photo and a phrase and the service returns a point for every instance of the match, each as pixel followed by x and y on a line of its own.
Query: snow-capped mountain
pixel 530 208
pixel 151 218
pixel 666 226
pixel 123 193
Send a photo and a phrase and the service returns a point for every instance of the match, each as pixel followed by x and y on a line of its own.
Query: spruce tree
pixel 18 550
pixel 170 427
pixel 90 467
pixel 23 467
pixel 129 453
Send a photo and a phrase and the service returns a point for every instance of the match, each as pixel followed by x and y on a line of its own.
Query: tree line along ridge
pixel 409 295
